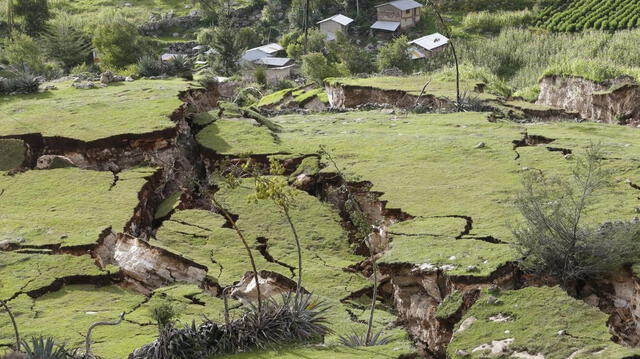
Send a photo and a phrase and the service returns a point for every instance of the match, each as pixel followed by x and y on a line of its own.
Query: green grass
pixel 450 305
pixel 21 272
pixel 67 314
pixel 238 136
pixel 536 316
pixel 168 205
pixel 123 108
pixel 67 206
pixel 12 153
pixel 413 85
pixel 200 235
pixel 274 98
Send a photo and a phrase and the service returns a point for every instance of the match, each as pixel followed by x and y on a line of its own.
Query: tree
pixel 33 14
pixel 65 43
pixel 395 54
pixel 276 189
pixel 316 67
pixel 554 237
pixel 117 40
pixel 356 59
pixel 24 52
pixel 225 41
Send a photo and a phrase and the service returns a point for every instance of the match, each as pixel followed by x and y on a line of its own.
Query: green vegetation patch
pixel 540 321
pixel 590 69
pixel 123 108
pixel 450 305
pixel 12 153
pixel 413 85
pixel 67 314
pixel 20 272
pixel 72 206
pixel 200 235
pixel 589 14
pixel 237 137
pixel 205 118
pixel 274 98
pixel 168 205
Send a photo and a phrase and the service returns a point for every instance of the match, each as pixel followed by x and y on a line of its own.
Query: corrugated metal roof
pixel 386 25
pixel 168 57
pixel 431 42
pixel 268 48
pixel 273 61
pixel 403 4
pixel 340 19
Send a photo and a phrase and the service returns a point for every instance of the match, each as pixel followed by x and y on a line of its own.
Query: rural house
pixel 397 15
pixel 335 24
pixel 427 45
pixel 276 68
pixel 269 50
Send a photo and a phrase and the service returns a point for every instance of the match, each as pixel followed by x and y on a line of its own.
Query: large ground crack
pixel 263 248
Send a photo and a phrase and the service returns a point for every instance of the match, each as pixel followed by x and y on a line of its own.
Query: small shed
pixel 256 53
pixel 276 68
pixel 335 24
pixel 428 45
pixel 389 26
pixel 404 12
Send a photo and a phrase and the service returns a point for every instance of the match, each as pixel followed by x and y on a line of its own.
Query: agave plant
pixel 360 340
pixel 46 348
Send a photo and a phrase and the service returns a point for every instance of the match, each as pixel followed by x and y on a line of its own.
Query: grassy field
pixel 122 108
pixel 533 317
pixel 37 209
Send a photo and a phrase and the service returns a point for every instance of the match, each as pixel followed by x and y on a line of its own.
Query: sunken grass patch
pixel 68 216
pixel 122 108
pixel 239 136
pixel 535 317
pixel 12 153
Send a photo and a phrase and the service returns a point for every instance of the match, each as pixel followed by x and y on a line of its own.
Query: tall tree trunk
pixel 445 29
pixel 306 26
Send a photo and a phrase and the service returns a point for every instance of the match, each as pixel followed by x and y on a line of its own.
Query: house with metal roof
pixel 397 15
pixel 335 24
pixel 427 45
pixel 269 50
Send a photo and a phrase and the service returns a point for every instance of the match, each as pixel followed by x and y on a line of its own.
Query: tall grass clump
pixel 494 22
pixel 519 56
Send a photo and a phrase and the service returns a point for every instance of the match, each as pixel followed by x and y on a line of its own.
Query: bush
pixel 279 323
pixel 150 66
pixel 554 237
pixel 65 43
pixel 20 82
pixel 395 54
pixel 117 40
pixel 24 52
pixel 316 67
pixel 261 75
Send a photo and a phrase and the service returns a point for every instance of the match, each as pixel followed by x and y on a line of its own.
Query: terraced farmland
pixel 579 15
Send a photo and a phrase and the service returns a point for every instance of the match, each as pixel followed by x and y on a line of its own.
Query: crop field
pixel 579 15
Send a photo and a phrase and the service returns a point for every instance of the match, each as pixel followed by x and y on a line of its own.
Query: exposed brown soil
pixel 349 96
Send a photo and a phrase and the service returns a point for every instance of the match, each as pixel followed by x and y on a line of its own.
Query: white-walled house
pixel 427 45
pixel 335 24
pixel 269 50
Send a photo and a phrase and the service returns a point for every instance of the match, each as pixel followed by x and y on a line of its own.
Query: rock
pixel 472 269
pixel 448 267
pixel 466 324
pixel 462 353
pixel 452 258
pixel 303 182
pixel 493 300
pixel 388 111
pixel 129 79
pixel 561 332
pixel 480 145
pixel 507 331
pixel 47 162
pixel 107 77
pixel 271 284
pixel 49 88
pixel 592 300
pixel 496 348
pixel 568 156
pixel 500 318
pixel 9 244
pixel 84 85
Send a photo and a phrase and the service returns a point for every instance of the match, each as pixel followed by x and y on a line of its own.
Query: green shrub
pixel 395 54
pixel 117 40
pixel 316 67
pixel 65 43
pixel 494 22
pixel 261 75
pixel 149 65
pixel 557 237
pixel 24 52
